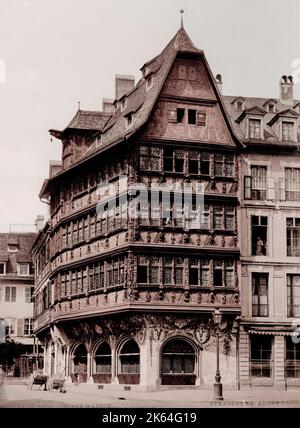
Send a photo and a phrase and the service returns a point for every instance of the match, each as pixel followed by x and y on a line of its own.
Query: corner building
pixel 129 299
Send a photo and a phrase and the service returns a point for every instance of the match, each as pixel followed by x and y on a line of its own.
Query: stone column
pixel 149 362
pixel 45 358
pixel 278 353
pixel 89 368
pixel 68 365
pixel 199 378
pixel 55 357
pixel 244 348
pixel 114 378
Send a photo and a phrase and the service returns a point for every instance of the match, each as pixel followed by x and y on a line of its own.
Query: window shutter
pixel 20 327
pixel 271 189
pixel 172 116
pixel 7 294
pixel 182 72
pixel 247 187
pixel 13 294
pixel 201 118
pixel 192 73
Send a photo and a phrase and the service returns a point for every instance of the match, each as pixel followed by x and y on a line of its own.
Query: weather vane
pixel 182 12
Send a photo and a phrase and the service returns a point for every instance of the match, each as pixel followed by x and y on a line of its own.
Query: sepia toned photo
pixel 150 221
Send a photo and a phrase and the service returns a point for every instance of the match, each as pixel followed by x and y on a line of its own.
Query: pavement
pixel 15 393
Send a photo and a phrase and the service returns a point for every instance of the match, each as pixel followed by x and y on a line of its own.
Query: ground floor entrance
pixel 268 359
pixel 178 363
pixel 79 364
pixel 147 350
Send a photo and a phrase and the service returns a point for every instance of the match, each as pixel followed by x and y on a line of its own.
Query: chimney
pixel 39 223
pixel 219 82
pixel 124 84
pixel 107 105
pixel 286 90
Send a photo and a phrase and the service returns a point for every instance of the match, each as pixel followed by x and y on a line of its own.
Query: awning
pixel 274 332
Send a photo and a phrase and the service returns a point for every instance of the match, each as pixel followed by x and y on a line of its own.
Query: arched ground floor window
pixel 79 364
pixel 102 364
pixel 178 362
pixel 129 363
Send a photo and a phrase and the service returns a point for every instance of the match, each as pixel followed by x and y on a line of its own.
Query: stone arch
pixel 178 361
pixel 101 362
pixel 128 361
pixel 78 354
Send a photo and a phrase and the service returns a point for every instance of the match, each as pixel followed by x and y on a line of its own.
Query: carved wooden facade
pixel 148 278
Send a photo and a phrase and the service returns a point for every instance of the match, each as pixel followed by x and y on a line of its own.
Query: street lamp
pixel 218 387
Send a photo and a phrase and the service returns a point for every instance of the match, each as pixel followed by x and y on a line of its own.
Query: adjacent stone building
pixel 269 233
pixel 16 297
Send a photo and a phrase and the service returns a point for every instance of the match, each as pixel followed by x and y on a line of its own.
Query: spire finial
pixel 78 105
pixel 181 12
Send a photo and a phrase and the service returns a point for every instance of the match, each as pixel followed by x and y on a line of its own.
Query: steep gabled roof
pixel 287 113
pixel 255 110
pixel 85 120
pixel 24 243
pixel 141 100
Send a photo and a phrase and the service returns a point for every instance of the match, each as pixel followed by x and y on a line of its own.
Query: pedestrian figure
pixel 259 247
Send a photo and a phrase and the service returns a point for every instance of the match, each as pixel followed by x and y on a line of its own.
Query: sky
pixel 54 53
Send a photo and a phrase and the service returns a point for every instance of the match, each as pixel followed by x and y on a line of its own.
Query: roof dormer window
pixel 98 141
pixel 149 82
pixel 23 269
pixel 287 131
pixel 270 106
pixel 254 129
pixel 129 120
pixel 123 104
pixel 12 248
pixel 297 108
pixel 239 103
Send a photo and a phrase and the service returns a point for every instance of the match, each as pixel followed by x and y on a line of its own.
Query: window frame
pixel 4 268
pixel 290 131
pixel 259 127
pixel 290 296
pixel 11 294
pixel 293 249
pixel 29 290
pixel 257 283
pixel 28 325
pixel 27 265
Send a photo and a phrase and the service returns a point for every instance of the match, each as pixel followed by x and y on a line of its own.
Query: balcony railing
pixel 293 251
pixel 280 190
pixel 42 320
pixel 95 303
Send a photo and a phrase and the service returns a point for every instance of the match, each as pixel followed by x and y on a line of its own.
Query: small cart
pixel 58 383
